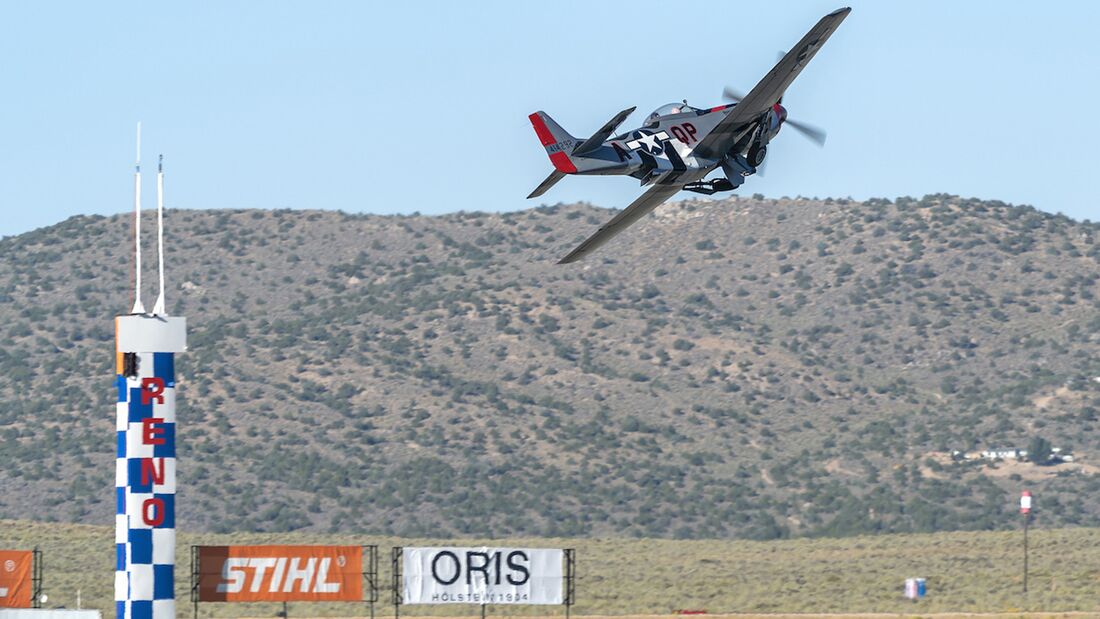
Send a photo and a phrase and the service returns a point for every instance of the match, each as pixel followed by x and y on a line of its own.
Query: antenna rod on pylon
pixel 158 307
pixel 138 307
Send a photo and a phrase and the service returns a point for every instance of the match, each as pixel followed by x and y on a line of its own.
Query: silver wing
pixel 770 89
pixel 637 209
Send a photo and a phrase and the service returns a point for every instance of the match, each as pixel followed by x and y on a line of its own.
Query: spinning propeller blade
pixel 732 95
pixel 812 133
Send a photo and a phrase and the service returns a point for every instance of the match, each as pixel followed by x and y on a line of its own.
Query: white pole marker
pixel 158 307
pixel 139 308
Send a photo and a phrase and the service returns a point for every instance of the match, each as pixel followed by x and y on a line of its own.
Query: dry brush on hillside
pixel 741 368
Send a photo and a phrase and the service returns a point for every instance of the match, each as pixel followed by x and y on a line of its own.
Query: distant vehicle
pixel 679 145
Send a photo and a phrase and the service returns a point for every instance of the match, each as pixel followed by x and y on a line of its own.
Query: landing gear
pixel 756 155
pixel 710 187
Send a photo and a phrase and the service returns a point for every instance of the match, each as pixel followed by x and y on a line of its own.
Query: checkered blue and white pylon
pixel 145 486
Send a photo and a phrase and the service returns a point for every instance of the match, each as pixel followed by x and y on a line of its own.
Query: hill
pixel 741 368
pixel 966 572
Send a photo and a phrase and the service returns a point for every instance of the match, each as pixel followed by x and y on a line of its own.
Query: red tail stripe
pixel 562 163
pixel 540 128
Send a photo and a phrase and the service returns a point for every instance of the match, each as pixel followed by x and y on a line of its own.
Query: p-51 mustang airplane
pixel 680 145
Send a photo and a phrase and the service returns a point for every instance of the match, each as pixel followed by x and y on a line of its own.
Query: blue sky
pixel 402 107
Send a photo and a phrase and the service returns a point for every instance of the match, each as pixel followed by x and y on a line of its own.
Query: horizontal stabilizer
pixel 545 185
pixel 600 136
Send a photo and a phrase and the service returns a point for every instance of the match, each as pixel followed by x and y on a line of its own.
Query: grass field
pixel 966 572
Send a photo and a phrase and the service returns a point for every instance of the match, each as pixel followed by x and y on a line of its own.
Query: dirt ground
pixel 912 615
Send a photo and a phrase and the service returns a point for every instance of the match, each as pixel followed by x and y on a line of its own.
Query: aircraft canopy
pixel 667 109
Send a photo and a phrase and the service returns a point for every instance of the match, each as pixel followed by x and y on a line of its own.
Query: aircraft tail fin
pixel 557 141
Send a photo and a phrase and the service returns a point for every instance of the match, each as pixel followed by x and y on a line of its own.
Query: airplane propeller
pixel 732 95
pixel 812 133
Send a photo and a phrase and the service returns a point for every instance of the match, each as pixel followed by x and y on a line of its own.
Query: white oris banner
pixel 482 576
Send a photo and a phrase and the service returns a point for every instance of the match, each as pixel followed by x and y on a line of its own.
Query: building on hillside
pixel 1057 454
pixel 1004 453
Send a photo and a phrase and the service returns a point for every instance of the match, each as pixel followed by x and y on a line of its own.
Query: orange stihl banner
pixel 15 578
pixel 280 573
